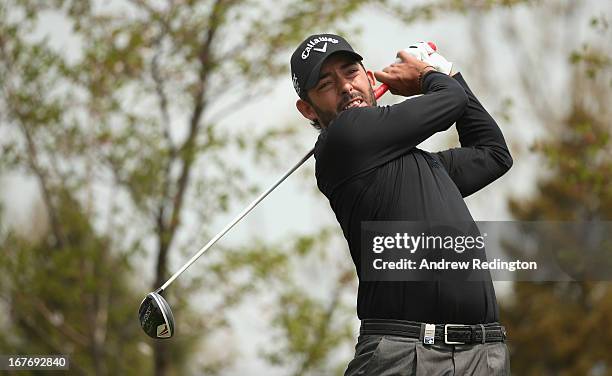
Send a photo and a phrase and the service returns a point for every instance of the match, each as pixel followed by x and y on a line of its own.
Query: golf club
pixel 155 315
pixel 379 91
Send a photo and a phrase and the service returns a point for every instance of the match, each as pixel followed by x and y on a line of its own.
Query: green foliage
pixel 552 325
pixel 309 329
pixel 428 11
pixel 593 60
pixel 69 299
pixel 124 140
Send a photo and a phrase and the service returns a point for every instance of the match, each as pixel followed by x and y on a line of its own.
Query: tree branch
pixel 165 114
pixel 57 348
pixel 186 151
pixel 44 185
pixel 323 328
pixel 163 101
pixel 65 329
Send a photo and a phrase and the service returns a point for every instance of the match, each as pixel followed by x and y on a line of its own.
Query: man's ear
pixel 371 78
pixel 306 110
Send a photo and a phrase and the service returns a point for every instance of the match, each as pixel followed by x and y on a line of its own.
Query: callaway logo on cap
pixel 310 45
pixel 308 58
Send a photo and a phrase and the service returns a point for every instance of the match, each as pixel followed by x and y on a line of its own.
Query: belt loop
pixel 484 335
pixel 421 336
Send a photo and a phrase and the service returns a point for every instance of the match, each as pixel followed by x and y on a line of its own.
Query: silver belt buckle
pixel 446 326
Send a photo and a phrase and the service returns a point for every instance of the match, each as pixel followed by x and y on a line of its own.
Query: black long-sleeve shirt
pixel 369 168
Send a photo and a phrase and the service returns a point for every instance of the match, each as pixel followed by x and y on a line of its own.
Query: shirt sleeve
pixel 362 138
pixel 483 156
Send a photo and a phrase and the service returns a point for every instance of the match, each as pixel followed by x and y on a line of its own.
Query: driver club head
pixel 156 316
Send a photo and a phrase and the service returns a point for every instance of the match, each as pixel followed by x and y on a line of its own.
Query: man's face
pixel 343 83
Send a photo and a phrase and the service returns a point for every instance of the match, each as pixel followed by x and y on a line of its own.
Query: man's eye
pixel 324 85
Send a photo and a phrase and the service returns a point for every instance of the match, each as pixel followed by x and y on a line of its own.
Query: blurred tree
pixel 310 330
pixel 560 328
pixel 126 140
pixel 124 137
pixel 59 297
pixel 564 328
pixel 563 80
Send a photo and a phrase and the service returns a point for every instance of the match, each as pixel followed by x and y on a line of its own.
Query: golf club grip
pixel 383 88
pixel 379 91
pixel 234 221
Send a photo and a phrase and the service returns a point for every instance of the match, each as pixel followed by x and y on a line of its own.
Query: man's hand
pixel 403 77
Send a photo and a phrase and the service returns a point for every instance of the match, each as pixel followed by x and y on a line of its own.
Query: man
pixel 369 168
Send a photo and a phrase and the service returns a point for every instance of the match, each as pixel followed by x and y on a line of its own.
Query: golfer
pixel 368 166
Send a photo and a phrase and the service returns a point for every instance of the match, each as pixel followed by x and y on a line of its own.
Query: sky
pixel 296 207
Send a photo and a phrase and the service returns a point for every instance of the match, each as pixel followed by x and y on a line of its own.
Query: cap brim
pixel 313 77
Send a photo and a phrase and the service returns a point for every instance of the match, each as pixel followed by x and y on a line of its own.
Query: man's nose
pixel 345 85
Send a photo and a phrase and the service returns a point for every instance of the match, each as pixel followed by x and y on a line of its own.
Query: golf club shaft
pixel 236 220
pixel 378 93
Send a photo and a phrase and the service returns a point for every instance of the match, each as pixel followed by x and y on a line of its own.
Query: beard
pixel 325 117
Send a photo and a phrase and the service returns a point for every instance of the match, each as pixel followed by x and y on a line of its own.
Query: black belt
pixel 450 334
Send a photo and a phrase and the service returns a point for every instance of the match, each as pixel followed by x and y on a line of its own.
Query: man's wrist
pixel 424 72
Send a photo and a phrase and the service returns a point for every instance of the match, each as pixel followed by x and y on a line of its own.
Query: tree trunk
pixel 162 358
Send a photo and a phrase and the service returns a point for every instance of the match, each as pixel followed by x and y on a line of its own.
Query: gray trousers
pixel 377 355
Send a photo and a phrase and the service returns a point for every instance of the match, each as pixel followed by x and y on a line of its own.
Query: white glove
pixel 425 53
pixel 419 50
